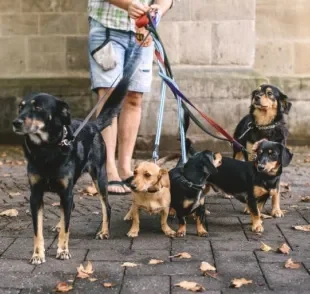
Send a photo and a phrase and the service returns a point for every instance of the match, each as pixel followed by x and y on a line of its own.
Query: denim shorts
pixel 123 43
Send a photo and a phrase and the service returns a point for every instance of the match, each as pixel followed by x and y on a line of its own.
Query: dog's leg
pixel 276 210
pixel 36 205
pixel 200 221
pixel 257 224
pixel 134 230
pixel 164 225
pixel 181 232
pixel 128 216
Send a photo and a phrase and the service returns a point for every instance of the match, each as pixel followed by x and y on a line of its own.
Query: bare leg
pixel 129 123
pixel 110 137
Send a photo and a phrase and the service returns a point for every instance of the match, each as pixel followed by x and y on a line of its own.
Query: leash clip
pixel 65 142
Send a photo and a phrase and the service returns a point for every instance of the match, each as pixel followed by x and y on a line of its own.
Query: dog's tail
pixel 112 106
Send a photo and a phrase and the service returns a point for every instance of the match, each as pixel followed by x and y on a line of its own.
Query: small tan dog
pixel 151 192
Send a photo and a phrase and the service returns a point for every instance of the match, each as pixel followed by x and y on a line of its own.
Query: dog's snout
pixel 257 98
pixel 260 167
pixel 18 123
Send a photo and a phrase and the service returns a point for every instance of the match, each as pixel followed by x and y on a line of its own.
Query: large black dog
pixel 45 122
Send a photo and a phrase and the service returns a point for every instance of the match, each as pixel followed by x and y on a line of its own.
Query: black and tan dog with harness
pixel 53 166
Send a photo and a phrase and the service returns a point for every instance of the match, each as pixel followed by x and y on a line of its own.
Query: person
pixel 112 37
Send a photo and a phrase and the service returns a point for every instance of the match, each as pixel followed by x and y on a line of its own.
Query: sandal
pixel 117 183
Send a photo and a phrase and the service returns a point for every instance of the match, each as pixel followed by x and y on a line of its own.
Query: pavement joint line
pixel 284 237
pixel 260 267
pixel 243 228
pixel 8 247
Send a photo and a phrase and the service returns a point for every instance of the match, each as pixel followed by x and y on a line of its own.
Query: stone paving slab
pixel 231 247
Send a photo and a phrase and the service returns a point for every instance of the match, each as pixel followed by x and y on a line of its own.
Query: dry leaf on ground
pixel 181 255
pixel 291 264
pixel 265 247
pixel 285 186
pixel 6 175
pixel 56 204
pixel 284 249
pixel 92 279
pixel 84 273
pixel 108 285
pixel 3 154
pixel 307 159
pixel 63 287
pixel 156 261
pixel 206 266
pixel 90 190
pixel 305 199
pixel 191 286
pixel 265 216
pixel 1 163
pixel 9 212
pixel 14 194
pixel 305 228
pixel 237 283
pixel 129 264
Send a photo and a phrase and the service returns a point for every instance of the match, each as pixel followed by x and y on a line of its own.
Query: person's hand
pixel 136 9
pixel 156 13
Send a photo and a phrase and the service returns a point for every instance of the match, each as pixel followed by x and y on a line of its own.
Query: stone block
pixel 46 62
pixel 58 24
pixel 170 35
pixel 282 19
pixel 274 58
pixel 5 243
pixel 10 265
pixel 20 25
pixel 302 58
pixel 290 86
pixel 223 10
pixel 199 34
pixel 179 12
pixel 233 43
pixel 9 6
pixel 147 285
pixel 298 119
pixel 50 44
pixel 82 23
pixel 74 6
pixel 42 5
pixel 77 53
pixel 147 242
pixel 12 55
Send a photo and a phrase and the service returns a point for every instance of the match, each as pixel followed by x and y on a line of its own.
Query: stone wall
pixel 220 50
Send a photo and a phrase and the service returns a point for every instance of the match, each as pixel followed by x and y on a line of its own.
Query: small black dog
pixel 265 120
pixel 186 187
pixel 252 182
pixel 45 121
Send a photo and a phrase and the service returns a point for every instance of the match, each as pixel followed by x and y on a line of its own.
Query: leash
pixel 168 78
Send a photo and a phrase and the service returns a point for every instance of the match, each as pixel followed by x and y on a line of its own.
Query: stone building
pixel 220 51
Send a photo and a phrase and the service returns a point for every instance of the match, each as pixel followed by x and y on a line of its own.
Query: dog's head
pixel 149 177
pixel 38 114
pixel 269 99
pixel 271 156
pixel 208 160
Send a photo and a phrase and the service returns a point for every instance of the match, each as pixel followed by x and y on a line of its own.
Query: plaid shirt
pixel 111 16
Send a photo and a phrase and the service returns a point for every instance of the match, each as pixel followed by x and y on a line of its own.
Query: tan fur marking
pixel 104 232
pixel 249 147
pixel 187 203
pixel 201 231
pixel 63 239
pixel 64 182
pixel 276 210
pixel 218 159
pixel 239 156
pixel 257 223
pixel 32 101
pixel 38 248
pixel 272 167
pixel 33 179
pixel 259 191
pixel 181 230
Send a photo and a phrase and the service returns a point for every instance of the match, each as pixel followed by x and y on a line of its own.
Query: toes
pixel 170 233
pixel 132 234
pixel 202 234
pixel 63 255
pixel 277 213
pixel 102 235
pixel 258 229
pixel 181 234
pixel 36 259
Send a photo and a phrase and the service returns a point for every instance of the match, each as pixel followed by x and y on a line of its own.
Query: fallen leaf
pixel 294 206
pixel 56 204
pixel 305 199
pixel 3 154
pixel 237 283
pixel 1 163
pixel 90 190
pixel 206 266
pixel 6 175
pixel 9 212
pixel 129 264
pixel 19 162
pixel 182 255
pixel 287 186
pixel 306 160
pixel 156 261
pixel 291 264
pixel 92 279
pixel 84 273
pixel 265 216
pixel 211 274
pixel 108 285
pixel 191 286
pixel 307 184
pixel 305 228
pixel 63 287
pixel 284 249
pixel 265 247
pixel 14 194
pixel 96 212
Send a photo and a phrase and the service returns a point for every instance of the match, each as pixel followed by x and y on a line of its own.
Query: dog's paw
pixel 257 228
pixel 133 233
pixel 170 233
pixel 37 258
pixel 277 213
pixel 203 233
pixel 102 235
pixel 63 254
pixel 181 234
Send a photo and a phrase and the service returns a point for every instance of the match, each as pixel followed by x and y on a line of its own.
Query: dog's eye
pixel 269 94
pixel 147 175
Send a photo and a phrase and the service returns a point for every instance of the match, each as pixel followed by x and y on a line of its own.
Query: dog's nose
pixel 17 123
pixel 257 97
pixel 260 167
pixel 133 185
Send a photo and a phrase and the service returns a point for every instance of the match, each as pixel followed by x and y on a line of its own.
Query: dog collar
pixel 266 127
pixel 191 185
pixel 64 141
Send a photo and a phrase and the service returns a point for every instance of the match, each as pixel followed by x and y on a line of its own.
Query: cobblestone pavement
pixel 230 246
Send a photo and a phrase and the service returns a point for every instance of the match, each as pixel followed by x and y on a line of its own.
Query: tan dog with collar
pixel 151 192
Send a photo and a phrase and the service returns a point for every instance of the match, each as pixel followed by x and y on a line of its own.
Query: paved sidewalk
pixel 230 246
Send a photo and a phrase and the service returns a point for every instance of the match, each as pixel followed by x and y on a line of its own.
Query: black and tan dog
pixel 187 183
pixel 265 120
pixel 253 182
pixel 45 122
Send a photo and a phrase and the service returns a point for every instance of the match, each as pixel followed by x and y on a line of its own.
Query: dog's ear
pixel 217 159
pixel 63 110
pixel 163 177
pixel 285 105
pixel 256 144
pixel 286 156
